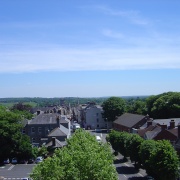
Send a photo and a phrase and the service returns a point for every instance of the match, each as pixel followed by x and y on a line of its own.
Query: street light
pixel 107 124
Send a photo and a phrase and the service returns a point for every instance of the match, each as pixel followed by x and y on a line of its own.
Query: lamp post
pixel 107 124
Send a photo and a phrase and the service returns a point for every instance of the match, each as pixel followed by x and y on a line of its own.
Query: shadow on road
pixel 126 170
pixel 136 178
pixel 118 161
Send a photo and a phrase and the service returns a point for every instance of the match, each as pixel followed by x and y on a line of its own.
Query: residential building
pixel 91 117
pixel 127 122
pixel 43 125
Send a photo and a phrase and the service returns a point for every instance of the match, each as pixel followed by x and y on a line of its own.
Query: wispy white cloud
pixel 131 15
pixel 61 59
pixel 112 34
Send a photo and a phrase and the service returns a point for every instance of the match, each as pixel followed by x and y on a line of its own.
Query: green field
pixel 9 105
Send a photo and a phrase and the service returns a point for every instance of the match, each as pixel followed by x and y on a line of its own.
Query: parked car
pixel 30 161
pixel 6 161
pixel 14 161
pixel 39 159
pixel 76 126
pixel 23 161
pixel 98 138
pixel 98 130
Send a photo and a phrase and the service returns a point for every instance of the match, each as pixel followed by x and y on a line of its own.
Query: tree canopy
pixel 159 158
pixel 82 159
pixel 12 141
pixel 113 107
pixel 166 105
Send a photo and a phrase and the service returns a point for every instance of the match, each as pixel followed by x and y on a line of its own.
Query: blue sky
pixel 92 48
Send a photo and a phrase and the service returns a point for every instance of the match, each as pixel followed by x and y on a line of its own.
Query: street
pixel 17 171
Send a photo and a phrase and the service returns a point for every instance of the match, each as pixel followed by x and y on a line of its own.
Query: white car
pixel 76 126
pixel 39 159
pixel 98 138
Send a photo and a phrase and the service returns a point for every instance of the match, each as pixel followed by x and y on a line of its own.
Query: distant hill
pixel 41 102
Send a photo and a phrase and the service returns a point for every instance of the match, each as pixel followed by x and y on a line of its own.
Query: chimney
pixel 149 122
pixel 38 112
pixel 164 127
pixel 58 123
pixel 53 141
pixel 172 124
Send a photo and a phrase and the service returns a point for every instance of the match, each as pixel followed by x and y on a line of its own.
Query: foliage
pixel 42 151
pixel 12 141
pixel 145 150
pixel 164 161
pixel 132 144
pixel 22 109
pixel 113 107
pixel 166 105
pixel 118 141
pixel 83 158
pixel 158 157
pixel 137 107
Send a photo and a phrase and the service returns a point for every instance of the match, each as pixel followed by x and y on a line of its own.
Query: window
pixel 32 130
pixel 23 131
pixel 97 120
pixel 33 140
pixel 39 129
pixel 97 125
pixel 97 114
pixel 47 130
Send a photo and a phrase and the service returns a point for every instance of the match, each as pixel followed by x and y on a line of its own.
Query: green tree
pixel 42 151
pixel 113 107
pixel 132 143
pixel 118 141
pixel 137 107
pixel 164 161
pixel 82 159
pixel 166 105
pixel 145 150
pixel 12 141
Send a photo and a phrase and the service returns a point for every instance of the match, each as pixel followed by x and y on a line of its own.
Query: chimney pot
pixel 172 124
pixel 53 141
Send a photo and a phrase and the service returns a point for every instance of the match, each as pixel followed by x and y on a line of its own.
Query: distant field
pixel 33 104
pixel 7 104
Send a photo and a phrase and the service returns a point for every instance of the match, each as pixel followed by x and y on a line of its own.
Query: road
pixel 127 171
pixel 15 172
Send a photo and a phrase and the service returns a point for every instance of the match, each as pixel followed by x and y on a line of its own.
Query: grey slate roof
pixel 56 132
pixel 58 143
pixel 128 119
pixel 63 119
pixel 151 134
pixel 49 118
pixel 166 121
